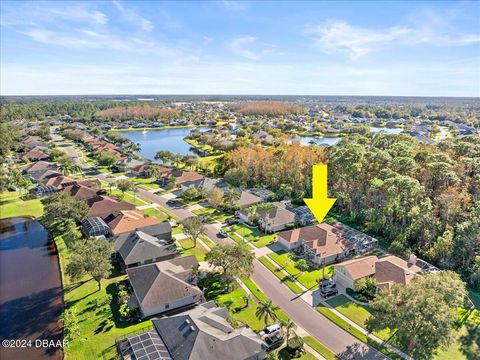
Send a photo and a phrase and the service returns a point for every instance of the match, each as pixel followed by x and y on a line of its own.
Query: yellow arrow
pixel 320 203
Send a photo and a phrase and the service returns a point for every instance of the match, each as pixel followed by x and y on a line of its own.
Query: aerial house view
pixel 239 180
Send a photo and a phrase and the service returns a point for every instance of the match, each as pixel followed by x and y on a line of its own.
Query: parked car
pixel 327 284
pixel 173 203
pixel 269 331
pixel 222 234
pixel 327 292
pixel 232 221
pixel 273 342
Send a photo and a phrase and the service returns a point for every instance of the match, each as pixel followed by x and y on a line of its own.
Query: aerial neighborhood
pixel 212 253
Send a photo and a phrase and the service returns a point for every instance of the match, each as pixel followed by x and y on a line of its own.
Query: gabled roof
pixel 247 199
pixel 44 175
pixel 277 215
pixel 155 230
pixel 359 268
pixel 61 181
pixel 140 247
pixel 204 333
pixel 391 269
pixel 35 154
pixel 103 205
pixel 128 220
pixel 40 165
pixel 164 282
pixel 187 176
pixel 80 192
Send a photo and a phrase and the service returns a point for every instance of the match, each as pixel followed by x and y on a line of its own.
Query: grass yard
pixel 157 213
pixel 209 162
pixel 211 215
pixel 207 241
pixel 260 296
pixel 283 278
pixel 11 205
pixel 242 314
pixel 320 348
pixel 146 183
pixel 355 332
pixel 308 278
pixel 177 230
pixel 254 235
pixel 186 248
pixel 357 313
pixel 98 318
pixel 128 197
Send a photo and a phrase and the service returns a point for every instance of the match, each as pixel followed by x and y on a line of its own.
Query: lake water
pixel 30 288
pixel 152 141
pixel 386 130
pixel 320 140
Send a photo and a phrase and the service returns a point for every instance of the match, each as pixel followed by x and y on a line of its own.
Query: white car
pixel 269 331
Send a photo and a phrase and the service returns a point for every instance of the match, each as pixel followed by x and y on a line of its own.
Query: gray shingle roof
pixel 140 247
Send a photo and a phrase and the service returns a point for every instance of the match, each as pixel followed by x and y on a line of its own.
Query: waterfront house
pixel 102 206
pixel 161 231
pixel 96 227
pixel 164 286
pixel 128 220
pixel 139 248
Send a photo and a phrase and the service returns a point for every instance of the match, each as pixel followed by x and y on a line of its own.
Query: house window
pixel 167 306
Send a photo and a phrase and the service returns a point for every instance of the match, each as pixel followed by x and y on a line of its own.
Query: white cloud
pixel 341 37
pixel 248 47
pixel 134 17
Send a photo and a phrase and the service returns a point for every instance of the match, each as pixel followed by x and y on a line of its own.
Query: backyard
pixel 12 205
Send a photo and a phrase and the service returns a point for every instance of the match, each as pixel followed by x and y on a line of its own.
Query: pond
pixel 30 288
pixel 152 141
pixel 319 140
pixel 385 130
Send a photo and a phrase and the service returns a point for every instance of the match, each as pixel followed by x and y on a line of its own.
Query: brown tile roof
pixel 39 165
pixel 128 220
pixel 387 270
pixel 323 239
pixel 186 176
pixel 35 154
pixel 60 182
pixel 80 192
pixel 92 183
pixel 103 205
pixel 359 268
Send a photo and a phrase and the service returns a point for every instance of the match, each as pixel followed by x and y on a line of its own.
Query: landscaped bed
pixel 320 348
pixel 308 278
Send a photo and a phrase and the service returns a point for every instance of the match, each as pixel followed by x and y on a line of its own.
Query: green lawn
pixel 177 230
pixel 207 241
pixel 357 313
pixel 129 197
pixel 308 278
pixel 157 213
pixel 146 183
pixel 355 332
pixel 244 315
pixel 98 319
pixel 283 278
pixel 254 235
pixel 186 248
pixel 320 348
pixel 212 215
pixel 11 205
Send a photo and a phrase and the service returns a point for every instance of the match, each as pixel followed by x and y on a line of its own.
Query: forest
pixel 267 108
pixel 137 112
pixel 419 198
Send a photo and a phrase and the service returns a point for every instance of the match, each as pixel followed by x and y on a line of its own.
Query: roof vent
pixel 192 328
pixel 187 321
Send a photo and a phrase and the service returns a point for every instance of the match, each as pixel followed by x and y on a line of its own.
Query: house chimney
pixel 412 260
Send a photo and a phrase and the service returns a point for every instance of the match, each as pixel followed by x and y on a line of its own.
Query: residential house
pixel 197 334
pixel 35 155
pixel 39 166
pixel 140 248
pixel 387 270
pixel 277 218
pixel 247 199
pixel 102 206
pixel 262 193
pixel 303 215
pixel 185 179
pixel 80 192
pixel 128 220
pixel 324 243
pixel 60 182
pixel 164 286
pixel 161 231
pixel 42 176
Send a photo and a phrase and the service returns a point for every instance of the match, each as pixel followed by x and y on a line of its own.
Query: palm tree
pixel 251 213
pixel 231 196
pixel 266 309
pixel 134 189
pixel 266 207
pixel 288 328
pixel 246 300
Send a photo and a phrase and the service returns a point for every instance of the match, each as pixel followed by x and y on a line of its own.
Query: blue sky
pixel 225 47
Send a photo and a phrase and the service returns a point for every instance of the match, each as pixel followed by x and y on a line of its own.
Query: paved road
pixel 325 331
